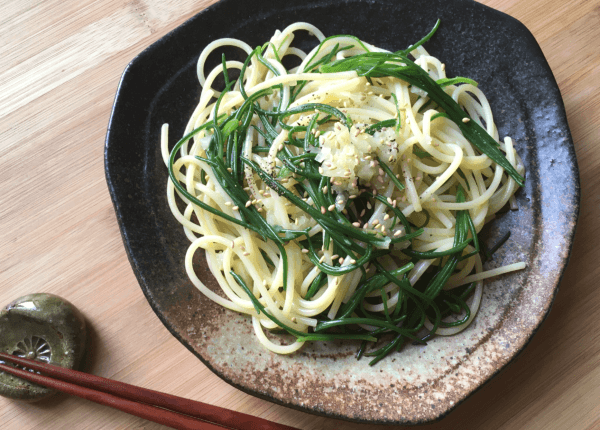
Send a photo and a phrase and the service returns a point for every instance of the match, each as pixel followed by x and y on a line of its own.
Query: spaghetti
pixel 341 199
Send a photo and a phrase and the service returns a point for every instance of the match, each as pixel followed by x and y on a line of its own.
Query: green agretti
pixel 399 323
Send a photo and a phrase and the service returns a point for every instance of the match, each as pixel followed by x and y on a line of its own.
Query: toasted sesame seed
pixel 375 222
pixel 331 208
pixel 398 233
pixel 341 260
pixel 229 169
pixel 228 203
pixel 248 203
pixel 352 261
pixel 323 210
pixel 356 224
pixel 305 251
pixel 334 256
pixel 386 217
pixel 465 120
pixel 235 208
pixel 325 189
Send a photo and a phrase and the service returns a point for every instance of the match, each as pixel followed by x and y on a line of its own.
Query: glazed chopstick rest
pixel 43 327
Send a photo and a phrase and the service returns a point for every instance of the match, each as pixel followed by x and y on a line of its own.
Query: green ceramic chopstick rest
pixel 42 327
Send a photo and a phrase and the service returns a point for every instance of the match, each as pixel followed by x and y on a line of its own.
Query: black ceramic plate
pixel 421 383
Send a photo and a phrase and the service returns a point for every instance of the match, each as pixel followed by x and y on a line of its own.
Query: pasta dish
pixel 341 198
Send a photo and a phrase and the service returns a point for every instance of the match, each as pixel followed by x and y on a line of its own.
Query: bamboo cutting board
pixel 60 64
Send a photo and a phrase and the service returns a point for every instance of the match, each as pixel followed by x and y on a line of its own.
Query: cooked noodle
pixel 426 152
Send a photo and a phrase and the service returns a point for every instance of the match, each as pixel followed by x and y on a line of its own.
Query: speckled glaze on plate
pixel 422 383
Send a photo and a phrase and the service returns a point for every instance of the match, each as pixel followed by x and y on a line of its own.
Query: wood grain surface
pixel 60 64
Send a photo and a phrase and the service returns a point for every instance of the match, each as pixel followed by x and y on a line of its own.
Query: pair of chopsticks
pixel 172 411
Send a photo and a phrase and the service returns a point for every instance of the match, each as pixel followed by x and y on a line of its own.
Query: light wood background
pixel 60 63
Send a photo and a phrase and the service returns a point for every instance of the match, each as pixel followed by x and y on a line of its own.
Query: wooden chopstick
pixel 152 405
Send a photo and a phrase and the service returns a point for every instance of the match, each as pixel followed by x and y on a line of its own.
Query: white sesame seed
pixel 235 208
pixel 331 208
pixel 341 260
pixel 323 210
pixel 305 251
pixel 466 120
pixel 356 224
pixel 248 203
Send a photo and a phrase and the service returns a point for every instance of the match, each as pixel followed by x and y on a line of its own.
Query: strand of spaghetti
pixel 487 274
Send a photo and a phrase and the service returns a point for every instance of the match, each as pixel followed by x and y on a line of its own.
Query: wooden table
pixel 60 63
